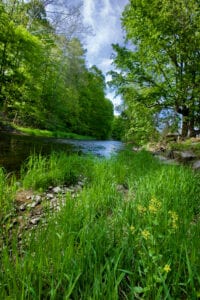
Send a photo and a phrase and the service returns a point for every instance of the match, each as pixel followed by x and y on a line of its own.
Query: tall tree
pixel 96 110
pixel 20 58
pixel 162 66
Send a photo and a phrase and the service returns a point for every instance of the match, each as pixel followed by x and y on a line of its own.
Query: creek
pixel 15 149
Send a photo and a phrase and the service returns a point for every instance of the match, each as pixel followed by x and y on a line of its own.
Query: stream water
pixel 15 149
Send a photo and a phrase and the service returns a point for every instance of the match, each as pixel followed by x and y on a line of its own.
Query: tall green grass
pixel 39 172
pixel 109 243
pixel 8 188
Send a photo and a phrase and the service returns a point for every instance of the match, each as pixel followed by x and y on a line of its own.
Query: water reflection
pixel 14 149
pixel 99 148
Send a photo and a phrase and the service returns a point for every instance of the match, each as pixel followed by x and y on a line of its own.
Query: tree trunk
pixel 191 127
pixel 185 126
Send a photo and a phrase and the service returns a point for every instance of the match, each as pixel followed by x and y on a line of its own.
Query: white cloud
pixel 88 11
pixel 104 17
pixel 106 8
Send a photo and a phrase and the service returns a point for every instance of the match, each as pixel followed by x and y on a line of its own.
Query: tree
pixel 44 81
pixel 20 58
pixel 162 67
pixel 96 110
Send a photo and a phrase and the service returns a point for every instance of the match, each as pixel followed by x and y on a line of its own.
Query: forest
pixel 158 70
pixel 44 80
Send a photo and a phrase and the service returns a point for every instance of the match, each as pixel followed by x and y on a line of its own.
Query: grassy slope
pixel 47 133
pixel 141 242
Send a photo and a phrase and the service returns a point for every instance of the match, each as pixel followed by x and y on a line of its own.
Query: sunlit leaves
pixel 161 65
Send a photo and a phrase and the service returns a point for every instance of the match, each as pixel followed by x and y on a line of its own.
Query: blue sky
pixel 104 18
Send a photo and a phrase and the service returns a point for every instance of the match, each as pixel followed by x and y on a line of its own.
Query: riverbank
pixel 126 233
pixel 185 152
pixel 14 129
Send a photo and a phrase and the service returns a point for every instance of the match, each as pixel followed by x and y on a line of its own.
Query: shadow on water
pixel 15 149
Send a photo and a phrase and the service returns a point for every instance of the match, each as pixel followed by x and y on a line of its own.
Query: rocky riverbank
pixel 32 209
pixel 187 153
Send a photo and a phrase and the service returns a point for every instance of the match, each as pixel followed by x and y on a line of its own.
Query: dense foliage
pixel 159 69
pixel 44 81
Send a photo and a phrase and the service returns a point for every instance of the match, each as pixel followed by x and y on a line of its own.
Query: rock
pixel 49 196
pixel 22 207
pixel 35 221
pixel 57 208
pixel 184 156
pixel 32 204
pixel 166 160
pixel 188 155
pixel 57 190
pixel 196 165
pixel 38 198
pixel 122 188
pixel 136 149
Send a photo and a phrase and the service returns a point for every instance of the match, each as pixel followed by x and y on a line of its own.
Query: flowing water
pixel 15 149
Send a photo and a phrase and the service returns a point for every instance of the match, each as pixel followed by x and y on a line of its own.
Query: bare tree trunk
pixel 185 126
pixel 191 127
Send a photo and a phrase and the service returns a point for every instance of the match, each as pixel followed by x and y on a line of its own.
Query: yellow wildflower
pixel 154 205
pixel 141 209
pixel 132 229
pixel 174 218
pixel 167 268
pixel 145 234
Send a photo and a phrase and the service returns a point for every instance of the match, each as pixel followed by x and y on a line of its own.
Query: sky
pixel 104 18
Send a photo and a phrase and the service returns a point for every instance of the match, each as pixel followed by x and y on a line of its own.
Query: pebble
pixel 22 207
pixel 196 165
pixel 49 196
pixel 35 221
pixel 57 189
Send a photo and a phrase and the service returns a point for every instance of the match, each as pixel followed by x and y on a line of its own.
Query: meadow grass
pixel 132 233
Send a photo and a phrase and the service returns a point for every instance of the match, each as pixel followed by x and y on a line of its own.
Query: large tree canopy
pixel 161 67
pixel 44 81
